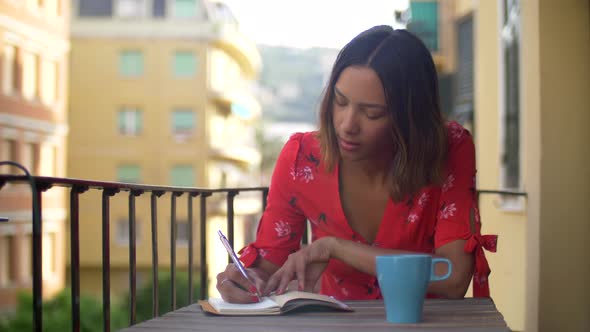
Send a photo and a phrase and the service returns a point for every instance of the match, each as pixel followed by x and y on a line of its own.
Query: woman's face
pixel 361 118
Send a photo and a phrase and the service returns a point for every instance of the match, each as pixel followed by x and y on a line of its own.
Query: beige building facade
pixel 160 95
pixel 34 51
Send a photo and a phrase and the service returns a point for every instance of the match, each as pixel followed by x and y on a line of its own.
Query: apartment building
pixel 160 95
pixel 34 50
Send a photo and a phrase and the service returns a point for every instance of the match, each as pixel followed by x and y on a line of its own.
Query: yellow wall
pixel 564 271
pixel 540 274
pixel 531 101
pixel 96 147
pixel 507 281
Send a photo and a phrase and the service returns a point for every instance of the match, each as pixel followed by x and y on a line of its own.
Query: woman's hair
pixel 408 75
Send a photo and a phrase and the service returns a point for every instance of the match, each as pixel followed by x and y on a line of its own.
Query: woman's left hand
pixel 305 265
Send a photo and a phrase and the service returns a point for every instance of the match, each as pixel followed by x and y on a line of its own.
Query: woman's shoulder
pixel 299 160
pixel 457 135
pixel 461 148
pixel 304 143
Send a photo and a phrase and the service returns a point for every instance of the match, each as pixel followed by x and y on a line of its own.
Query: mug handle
pixel 434 277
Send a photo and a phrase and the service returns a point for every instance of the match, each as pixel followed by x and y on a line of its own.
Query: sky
pixel 311 23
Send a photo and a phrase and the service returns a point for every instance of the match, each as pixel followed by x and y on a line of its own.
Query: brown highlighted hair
pixel 408 75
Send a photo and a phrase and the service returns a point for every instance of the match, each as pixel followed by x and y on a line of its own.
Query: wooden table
pixel 439 315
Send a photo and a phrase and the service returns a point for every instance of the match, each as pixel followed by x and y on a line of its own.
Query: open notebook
pixel 274 305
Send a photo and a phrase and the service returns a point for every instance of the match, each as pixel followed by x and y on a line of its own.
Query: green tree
pixel 144 295
pixel 57 314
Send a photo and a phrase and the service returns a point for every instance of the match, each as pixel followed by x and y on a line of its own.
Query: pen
pixel 237 262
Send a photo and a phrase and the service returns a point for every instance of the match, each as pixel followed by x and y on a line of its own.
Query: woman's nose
pixel 350 124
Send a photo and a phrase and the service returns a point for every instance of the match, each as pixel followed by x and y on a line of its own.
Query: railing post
pixel 173 247
pixel 155 287
pixel 190 246
pixel 132 257
pixel 203 236
pixel 37 254
pixel 106 259
pixel 75 192
pixel 230 218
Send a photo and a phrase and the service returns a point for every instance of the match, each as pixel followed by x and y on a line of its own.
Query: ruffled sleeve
pixel 281 226
pixel 458 215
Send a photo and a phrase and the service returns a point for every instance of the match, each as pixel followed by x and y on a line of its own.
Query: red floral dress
pixel 302 190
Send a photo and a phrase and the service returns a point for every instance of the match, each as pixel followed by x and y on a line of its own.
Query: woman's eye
pixel 340 102
pixel 373 115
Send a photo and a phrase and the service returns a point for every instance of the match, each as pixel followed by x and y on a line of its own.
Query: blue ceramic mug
pixel 403 280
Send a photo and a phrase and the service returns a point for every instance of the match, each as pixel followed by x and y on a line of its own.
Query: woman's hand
pixel 305 265
pixel 235 288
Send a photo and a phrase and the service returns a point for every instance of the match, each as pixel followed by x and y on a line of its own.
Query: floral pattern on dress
pixel 456 131
pixel 305 174
pixel 448 211
pixel 246 251
pixel 344 291
pixel 301 190
pixel 282 228
pixel 412 218
pixel 423 200
pixel 449 183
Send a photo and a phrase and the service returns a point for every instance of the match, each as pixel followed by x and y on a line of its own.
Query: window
pixel 9 67
pixel 182 232
pixel 186 9
pixel 159 8
pixel 48 160
pixel 182 176
pixel 183 121
pixel 130 121
pixel 122 232
pixel 49 256
pixel 30 157
pixel 464 94
pixel 5 268
pixel 30 75
pixel 52 7
pixel 24 258
pixel 185 64
pixel 33 4
pixel 8 150
pixel 510 126
pixel 131 63
pixel 131 8
pixel 94 8
pixel 49 85
pixel 128 173
pixel 424 22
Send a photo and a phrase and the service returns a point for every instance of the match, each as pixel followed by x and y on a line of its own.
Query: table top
pixel 471 314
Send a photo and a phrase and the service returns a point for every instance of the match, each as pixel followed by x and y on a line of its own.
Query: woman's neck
pixel 375 172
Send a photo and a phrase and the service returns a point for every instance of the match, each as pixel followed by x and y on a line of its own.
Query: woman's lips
pixel 347 145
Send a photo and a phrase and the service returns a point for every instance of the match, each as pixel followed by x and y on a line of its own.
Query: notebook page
pixel 221 306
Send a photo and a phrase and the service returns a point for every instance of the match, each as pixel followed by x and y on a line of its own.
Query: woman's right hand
pixel 235 288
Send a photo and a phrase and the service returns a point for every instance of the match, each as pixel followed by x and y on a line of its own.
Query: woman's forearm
pixel 359 256
pixel 362 257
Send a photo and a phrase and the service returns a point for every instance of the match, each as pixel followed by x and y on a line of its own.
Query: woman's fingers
pixel 240 280
pixel 231 292
pixel 273 282
pixel 300 266
pixel 235 288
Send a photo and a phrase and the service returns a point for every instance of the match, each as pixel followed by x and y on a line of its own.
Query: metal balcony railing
pixel 77 187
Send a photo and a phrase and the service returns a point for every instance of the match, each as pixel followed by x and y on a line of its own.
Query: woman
pixel 384 175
